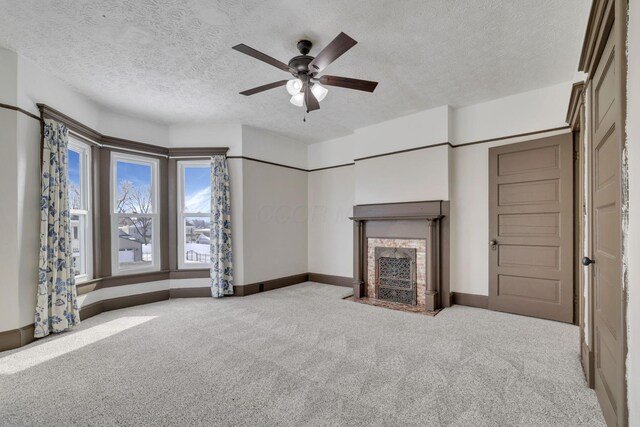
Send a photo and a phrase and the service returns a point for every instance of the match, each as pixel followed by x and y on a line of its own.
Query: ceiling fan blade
pixel 346 82
pixel 263 88
pixel 331 52
pixel 310 99
pixel 261 56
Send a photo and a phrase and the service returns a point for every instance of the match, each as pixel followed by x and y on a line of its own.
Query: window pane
pixel 197 190
pixel 75 184
pixel 135 247
pixel 197 232
pixel 133 188
pixel 78 244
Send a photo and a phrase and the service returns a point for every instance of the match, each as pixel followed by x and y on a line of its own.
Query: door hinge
pixel 576 155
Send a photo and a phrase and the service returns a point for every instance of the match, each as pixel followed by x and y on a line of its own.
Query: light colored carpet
pixel 299 356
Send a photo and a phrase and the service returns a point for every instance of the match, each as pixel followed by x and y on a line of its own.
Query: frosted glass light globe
pixel 294 86
pixel 319 92
pixel 298 99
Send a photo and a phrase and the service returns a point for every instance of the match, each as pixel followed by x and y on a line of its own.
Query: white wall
pixel 331 200
pixel 28 208
pixel 9 308
pixel 207 135
pixel 20 205
pixel 531 111
pixel 633 248
pixel 274 221
pixel 237 218
pixel 427 127
pixel 36 86
pixel 134 128
pixel 404 177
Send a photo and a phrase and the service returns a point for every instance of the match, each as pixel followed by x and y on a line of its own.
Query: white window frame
pixel 182 215
pixel 115 216
pixel 86 239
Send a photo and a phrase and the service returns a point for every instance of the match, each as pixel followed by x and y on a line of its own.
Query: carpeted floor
pixel 299 356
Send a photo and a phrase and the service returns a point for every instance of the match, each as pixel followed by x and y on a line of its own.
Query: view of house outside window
pixel 78 188
pixel 135 213
pixel 194 213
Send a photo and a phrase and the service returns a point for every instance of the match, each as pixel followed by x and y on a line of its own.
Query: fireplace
pixel 395 278
pixel 401 254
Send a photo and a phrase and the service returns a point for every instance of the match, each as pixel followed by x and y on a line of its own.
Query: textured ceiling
pixel 171 60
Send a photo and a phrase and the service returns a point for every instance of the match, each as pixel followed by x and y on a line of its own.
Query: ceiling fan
pixel 305 89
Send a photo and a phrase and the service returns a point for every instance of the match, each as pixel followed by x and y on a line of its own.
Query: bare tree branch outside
pixel 136 199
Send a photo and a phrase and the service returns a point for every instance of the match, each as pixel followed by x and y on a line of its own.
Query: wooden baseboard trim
pixel 200 292
pixel 586 357
pixel 268 285
pixel 16 338
pixel 122 302
pixel 470 300
pixel 132 300
pixel 328 279
pixel 91 310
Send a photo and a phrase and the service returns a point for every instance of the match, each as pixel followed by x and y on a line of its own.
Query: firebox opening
pixel 396 275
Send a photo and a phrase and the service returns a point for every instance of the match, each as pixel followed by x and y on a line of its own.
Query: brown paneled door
pixel 606 225
pixel 531 228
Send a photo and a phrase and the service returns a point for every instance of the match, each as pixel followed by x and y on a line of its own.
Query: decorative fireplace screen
pixel 396 275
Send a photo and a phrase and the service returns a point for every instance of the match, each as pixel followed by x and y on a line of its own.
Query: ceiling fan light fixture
pixel 320 92
pixel 304 88
pixel 294 86
pixel 298 99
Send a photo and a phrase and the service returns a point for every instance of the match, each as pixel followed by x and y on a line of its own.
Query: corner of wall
pixel 273 147
pixel 520 113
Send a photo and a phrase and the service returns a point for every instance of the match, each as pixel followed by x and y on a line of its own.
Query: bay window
pixel 134 214
pixel 194 209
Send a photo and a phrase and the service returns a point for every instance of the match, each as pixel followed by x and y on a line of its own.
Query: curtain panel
pixel 221 252
pixel 56 306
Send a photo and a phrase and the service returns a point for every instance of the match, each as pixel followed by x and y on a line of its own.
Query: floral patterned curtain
pixel 221 253
pixel 56 307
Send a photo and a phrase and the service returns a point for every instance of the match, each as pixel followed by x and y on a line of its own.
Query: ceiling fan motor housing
pixel 299 65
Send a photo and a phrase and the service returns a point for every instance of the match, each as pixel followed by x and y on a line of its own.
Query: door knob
pixel 586 261
pixel 493 243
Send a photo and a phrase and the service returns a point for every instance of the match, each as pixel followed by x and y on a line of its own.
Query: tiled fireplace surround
pixel 420 245
pixel 419 226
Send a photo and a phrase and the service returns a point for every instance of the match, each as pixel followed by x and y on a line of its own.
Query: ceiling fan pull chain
pixel 304 116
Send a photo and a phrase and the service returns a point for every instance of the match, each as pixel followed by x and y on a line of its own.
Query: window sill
pixel 81 279
pixel 194 266
pixel 136 271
